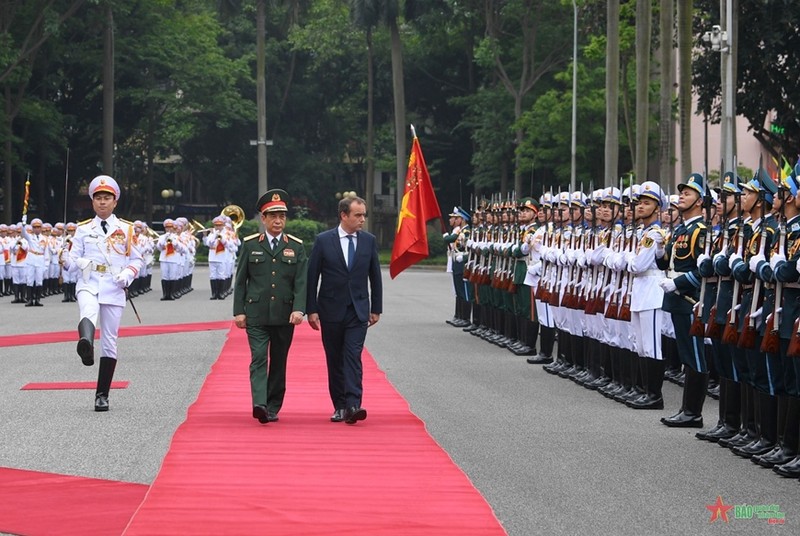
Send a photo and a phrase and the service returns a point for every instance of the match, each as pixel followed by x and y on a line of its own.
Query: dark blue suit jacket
pixel 340 287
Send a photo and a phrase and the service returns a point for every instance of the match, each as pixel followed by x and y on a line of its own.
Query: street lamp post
pixel 574 151
pixel 722 41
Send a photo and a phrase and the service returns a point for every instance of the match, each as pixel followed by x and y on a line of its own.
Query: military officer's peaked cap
pixel 463 214
pixel 696 182
pixel 730 183
pixel 652 191
pixel 275 200
pixel 454 213
pixel 530 203
pixel 762 182
pixel 104 183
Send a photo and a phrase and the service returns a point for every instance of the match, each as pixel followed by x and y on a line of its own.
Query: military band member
pixel 220 248
pixel 5 261
pixel 681 291
pixel 108 262
pixel 169 258
pixel 269 301
pixel 36 261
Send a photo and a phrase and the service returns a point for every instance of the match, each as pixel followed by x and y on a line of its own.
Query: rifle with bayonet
pixel 747 338
pixel 697 328
pixel 713 328
pixel 771 343
pixel 731 333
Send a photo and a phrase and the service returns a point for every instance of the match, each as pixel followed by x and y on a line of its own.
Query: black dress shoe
pixel 354 415
pixel 260 413
pixel 756 448
pixel 272 416
pixel 646 401
pixel 338 415
pixel 777 456
pixel 539 360
pixel 683 420
pixel 790 470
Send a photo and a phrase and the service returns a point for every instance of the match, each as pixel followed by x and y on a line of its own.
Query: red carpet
pixel 227 474
pixel 48 386
pixel 44 504
pixel 129 331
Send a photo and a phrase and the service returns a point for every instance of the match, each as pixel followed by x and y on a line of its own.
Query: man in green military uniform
pixel 681 292
pixel 269 301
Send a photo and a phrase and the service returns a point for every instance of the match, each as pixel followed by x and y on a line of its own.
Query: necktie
pixel 274 244
pixel 351 252
pixel 104 225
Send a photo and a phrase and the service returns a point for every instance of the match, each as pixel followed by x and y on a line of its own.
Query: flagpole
pixel 66 187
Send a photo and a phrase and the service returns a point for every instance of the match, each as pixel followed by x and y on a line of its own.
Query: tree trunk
pixel 612 95
pixel 7 157
pixel 685 9
pixel 369 181
pixel 519 136
pixel 399 109
pixel 666 168
pixel 643 34
pixel 108 94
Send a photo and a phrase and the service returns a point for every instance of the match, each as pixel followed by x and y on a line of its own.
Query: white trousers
pixel 109 317
pixel 646 326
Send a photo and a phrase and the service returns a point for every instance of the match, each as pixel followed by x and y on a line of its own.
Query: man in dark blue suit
pixel 349 300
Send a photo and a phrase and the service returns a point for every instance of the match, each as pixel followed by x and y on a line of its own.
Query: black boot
pixel 37 294
pixel 213 290
pixel 695 396
pixel 104 377
pixel 748 432
pixel 547 339
pixel 789 439
pixel 86 341
pixel 654 383
pixel 768 428
pixel 166 289
pixel 729 408
pixel 29 296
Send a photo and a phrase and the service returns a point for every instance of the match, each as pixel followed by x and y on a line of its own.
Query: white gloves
pixel 660 250
pixel 656 236
pixel 124 278
pixel 776 259
pixel 535 269
pixel 702 258
pixel 734 259
pixel 667 285
pixel 754 260
pixel 24 219
pixel 459 257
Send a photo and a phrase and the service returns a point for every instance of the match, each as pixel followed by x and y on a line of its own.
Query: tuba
pixel 236 214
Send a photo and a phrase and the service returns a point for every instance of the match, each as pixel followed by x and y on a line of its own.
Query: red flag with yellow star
pixel 418 206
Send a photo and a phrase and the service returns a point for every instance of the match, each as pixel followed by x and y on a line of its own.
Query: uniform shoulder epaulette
pixel 701 225
pixel 294 238
pixel 125 221
pixel 84 222
pixel 252 236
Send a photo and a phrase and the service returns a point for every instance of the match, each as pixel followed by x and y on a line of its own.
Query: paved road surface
pixel 551 457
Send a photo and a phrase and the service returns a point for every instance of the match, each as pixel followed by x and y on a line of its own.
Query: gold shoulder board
pixel 294 238
pixel 84 222
pixel 252 236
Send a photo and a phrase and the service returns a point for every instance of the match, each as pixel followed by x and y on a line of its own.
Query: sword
pixel 133 305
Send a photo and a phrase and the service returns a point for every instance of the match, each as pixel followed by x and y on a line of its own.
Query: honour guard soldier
pixel 681 291
pixel 456 241
pixel 729 388
pixel 527 327
pixel 269 300
pixel 104 254
pixel 786 460
pixel 646 297
pixel 754 274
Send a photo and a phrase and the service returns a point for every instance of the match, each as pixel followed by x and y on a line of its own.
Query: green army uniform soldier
pixel 269 301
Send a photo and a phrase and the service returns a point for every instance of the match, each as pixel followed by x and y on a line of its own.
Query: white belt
pixel 672 274
pixel 791 285
pixel 651 273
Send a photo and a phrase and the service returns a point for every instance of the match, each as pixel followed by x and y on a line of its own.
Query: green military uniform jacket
pixel 270 284
pixel 685 245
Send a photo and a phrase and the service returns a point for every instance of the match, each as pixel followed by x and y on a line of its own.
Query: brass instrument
pixel 234 212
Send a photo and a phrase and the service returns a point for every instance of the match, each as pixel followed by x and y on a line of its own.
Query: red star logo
pixel 719 510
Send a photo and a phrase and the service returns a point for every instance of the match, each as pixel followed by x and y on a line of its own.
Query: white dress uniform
pixel 108 262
